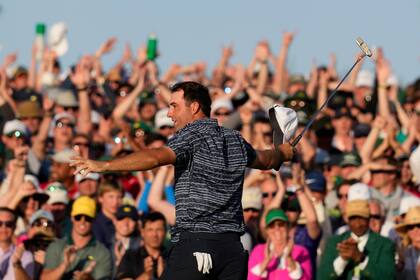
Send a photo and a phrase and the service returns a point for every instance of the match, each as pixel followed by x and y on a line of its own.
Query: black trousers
pixel 229 259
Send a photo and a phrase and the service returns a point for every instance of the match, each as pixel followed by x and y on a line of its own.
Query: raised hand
pixel 81 77
pixel 288 38
pixel 262 51
pixel 69 255
pixel 17 255
pixel 85 166
pixel 9 59
pixel 106 47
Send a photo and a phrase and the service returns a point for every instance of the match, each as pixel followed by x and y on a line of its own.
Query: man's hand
pixel 148 265
pixel 106 47
pixel 85 166
pixel 69 255
pixel 348 250
pixel 17 255
pixel 286 151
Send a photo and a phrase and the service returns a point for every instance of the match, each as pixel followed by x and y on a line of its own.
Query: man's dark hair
pixel 10 211
pixel 195 92
pixel 153 217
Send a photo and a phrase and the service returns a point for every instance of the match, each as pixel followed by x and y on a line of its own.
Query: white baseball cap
pixel 359 191
pixel 408 202
pixel 161 119
pixel 14 125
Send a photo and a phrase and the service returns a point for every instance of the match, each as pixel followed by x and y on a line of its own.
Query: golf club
pixel 366 52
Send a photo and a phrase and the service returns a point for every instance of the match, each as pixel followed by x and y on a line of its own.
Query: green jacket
pixel 380 250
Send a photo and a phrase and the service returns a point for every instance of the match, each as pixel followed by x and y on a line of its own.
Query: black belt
pixel 227 236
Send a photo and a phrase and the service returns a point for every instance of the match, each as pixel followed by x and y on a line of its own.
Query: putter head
pixel 363 46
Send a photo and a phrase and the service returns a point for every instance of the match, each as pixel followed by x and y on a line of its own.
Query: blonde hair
pixel 109 186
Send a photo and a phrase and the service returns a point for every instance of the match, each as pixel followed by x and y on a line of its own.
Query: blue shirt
pixel 209 173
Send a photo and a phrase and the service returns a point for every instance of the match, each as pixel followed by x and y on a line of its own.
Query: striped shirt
pixel 209 173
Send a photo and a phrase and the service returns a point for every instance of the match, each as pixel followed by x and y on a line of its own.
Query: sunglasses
pixel 64 124
pixel 70 109
pixel 44 224
pixel 340 196
pixel 387 171
pixel 81 144
pixel 8 224
pixel 376 217
pixel 118 140
pixel 85 217
pixel 253 210
pixel 267 194
pixel 165 127
pixel 16 134
pixel 221 113
pixel 411 227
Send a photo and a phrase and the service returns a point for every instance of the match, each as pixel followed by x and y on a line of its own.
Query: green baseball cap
pixel 274 215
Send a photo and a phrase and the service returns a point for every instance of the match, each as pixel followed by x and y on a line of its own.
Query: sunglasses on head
pixel 267 194
pixel 411 227
pixel 8 224
pixel 85 217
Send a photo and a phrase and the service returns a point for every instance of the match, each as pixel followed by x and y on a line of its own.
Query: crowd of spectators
pixel 347 206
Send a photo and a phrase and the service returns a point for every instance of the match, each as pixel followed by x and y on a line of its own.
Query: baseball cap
pixel 57 192
pixel 408 202
pixel 350 159
pixel 84 205
pixel 252 198
pixel 275 215
pixel 358 208
pixel 66 98
pixel 221 103
pixel 161 119
pixel 127 211
pixel 365 78
pixel 64 156
pixel 41 214
pixel 64 115
pixel 361 130
pixel 10 127
pixel 315 181
pixel 29 109
pixel 359 191
pixel 90 176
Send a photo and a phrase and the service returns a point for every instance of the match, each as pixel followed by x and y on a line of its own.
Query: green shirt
pixel 94 250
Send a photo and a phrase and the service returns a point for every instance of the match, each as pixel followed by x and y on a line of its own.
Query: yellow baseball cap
pixel 84 205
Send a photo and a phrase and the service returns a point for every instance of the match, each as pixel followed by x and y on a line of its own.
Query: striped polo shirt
pixel 209 173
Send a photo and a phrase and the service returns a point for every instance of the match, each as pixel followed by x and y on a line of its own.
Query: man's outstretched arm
pixel 272 159
pixel 137 161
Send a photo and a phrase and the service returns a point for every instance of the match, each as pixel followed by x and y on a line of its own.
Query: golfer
pixel 210 164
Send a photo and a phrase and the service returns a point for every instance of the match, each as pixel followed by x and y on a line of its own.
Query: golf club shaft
pixel 297 139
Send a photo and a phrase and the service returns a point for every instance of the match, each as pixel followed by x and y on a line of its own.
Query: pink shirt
pixel 274 272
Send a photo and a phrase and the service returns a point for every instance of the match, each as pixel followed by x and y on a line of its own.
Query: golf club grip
pixel 297 139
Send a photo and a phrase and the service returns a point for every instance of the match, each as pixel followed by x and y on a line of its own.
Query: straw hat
pixel 411 218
